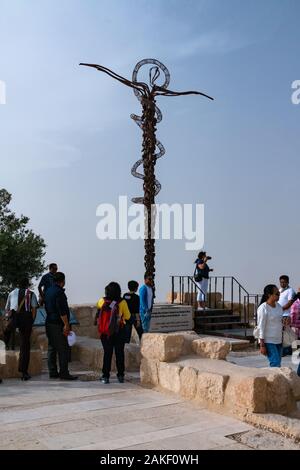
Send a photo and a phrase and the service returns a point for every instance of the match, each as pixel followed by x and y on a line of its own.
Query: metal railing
pixel 187 290
pixel 224 292
pixel 255 300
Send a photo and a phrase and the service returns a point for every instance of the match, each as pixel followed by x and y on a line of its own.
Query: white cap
pixel 71 338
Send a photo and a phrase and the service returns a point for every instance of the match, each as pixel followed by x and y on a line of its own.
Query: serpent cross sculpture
pixel 152 148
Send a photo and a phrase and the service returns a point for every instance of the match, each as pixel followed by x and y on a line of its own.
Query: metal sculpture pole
pixel 151 115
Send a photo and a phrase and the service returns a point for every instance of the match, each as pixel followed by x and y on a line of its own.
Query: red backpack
pixel 109 321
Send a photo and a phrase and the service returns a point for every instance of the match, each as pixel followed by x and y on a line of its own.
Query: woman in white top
pixel 269 322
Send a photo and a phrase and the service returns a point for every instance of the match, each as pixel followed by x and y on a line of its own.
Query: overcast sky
pixel 67 142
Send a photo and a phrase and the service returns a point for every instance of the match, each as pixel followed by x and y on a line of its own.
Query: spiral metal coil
pixel 154 74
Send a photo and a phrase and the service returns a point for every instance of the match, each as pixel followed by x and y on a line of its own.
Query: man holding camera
pixel 201 277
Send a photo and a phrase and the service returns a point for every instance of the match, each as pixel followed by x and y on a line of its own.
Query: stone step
pixel 235 343
pixel 220 325
pixel 236 333
pixel 217 318
pixel 212 312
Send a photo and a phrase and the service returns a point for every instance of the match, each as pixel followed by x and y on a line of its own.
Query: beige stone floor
pixel 43 414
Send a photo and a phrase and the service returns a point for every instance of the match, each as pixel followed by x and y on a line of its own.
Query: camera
pixel 208 258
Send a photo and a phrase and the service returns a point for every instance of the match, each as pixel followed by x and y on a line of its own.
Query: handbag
pixel 197 274
pixel 12 318
pixel 12 323
pixel 256 332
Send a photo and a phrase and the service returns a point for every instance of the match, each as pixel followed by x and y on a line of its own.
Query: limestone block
pixel 90 353
pixel 188 337
pixel 39 338
pixel 280 398
pixel 85 354
pixel 162 346
pixel 286 426
pixel 247 394
pixel 211 348
pixel 169 376
pixel 36 332
pixel 10 368
pixel 132 357
pixel 211 388
pixel 188 382
pixel 149 372
pixel 85 315
pixel 89 331
pixel 98 359
pixel 293 380
pixel 42 342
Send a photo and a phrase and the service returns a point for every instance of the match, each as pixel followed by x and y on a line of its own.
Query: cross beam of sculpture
pixel 151 115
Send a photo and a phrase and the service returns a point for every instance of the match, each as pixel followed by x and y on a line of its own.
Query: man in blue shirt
pixel 146 302
pixel 46 282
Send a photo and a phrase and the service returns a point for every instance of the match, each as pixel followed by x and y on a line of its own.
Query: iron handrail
pixel 243 308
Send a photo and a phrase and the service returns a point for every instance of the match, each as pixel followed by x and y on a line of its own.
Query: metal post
pixel 172 293
pixel 223 292
pixel 216 283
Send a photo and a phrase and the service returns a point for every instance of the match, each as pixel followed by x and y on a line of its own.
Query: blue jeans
pixel 298 370
pixel 202 293
pixel 146 320
pixel 274 354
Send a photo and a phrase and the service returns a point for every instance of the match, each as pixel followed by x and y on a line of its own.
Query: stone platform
pixel 42 414
pixel 10 368
pixel 196 369
pixel 55 415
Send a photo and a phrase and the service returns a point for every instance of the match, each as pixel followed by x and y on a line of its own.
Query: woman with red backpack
pixel 111 317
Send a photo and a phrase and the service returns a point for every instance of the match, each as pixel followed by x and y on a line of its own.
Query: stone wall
pixel 90 352
pixel 10 368
pixel 85 315
pixel 197 370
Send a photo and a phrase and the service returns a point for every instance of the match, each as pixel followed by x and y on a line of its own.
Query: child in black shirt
pixel 133 302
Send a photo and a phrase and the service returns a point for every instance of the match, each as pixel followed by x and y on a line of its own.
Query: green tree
pixel 21 251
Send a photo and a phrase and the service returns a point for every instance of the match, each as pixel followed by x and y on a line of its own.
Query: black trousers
pixel 10 332
pixel 139 330
pixel 24 323
pixel 111 343
pixel 57 346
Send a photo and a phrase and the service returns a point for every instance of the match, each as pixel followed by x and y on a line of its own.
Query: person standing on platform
pixel 133 302
pixel 269 324
pixel 111 317
pixel 146 302
pixel 287 294
pixel 58 329
pixel 22 303
pixel 201 276
pixel 46 282
pixel 295 314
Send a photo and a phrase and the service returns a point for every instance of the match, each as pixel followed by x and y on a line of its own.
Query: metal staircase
pixel 233 318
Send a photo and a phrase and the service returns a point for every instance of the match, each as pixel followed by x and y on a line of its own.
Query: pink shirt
pixel 295 314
